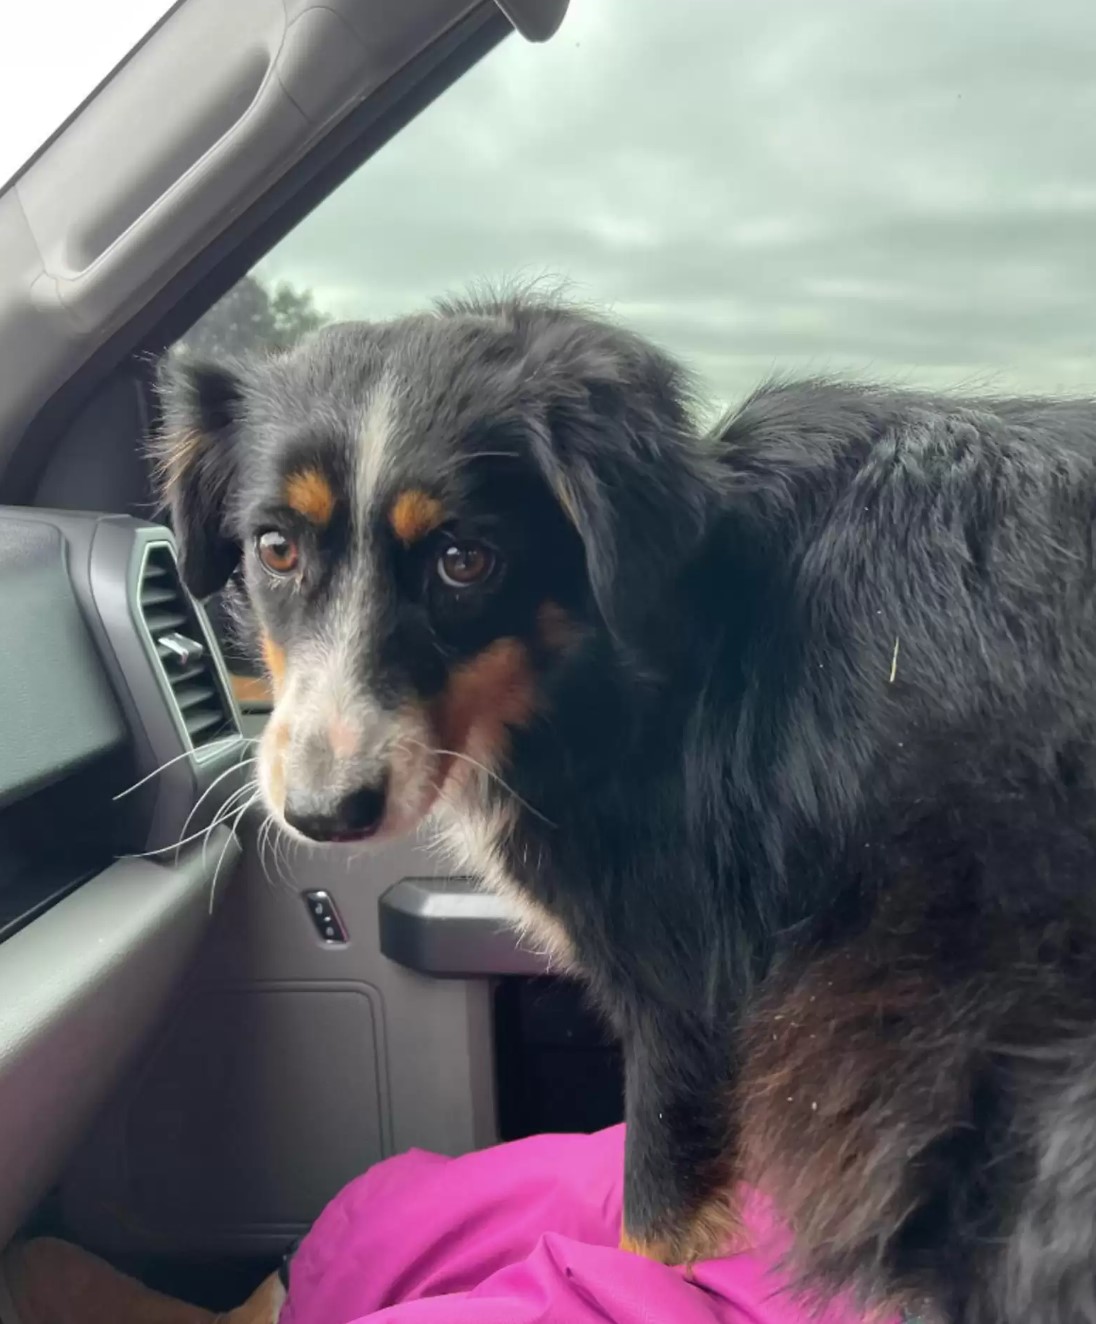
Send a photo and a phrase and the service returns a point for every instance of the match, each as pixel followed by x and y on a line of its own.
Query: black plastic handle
pixel 451 929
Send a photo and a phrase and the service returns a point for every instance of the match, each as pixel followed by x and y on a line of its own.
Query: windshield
pixel 54 55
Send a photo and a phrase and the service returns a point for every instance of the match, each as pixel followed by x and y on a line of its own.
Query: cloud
pixel 902 188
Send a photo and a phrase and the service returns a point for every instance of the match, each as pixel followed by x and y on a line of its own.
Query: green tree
pixel 295 314
pixel 252 318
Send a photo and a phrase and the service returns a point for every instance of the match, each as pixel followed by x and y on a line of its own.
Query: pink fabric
pixel 522 1234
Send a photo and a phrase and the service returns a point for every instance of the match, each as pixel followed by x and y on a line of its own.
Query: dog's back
pixel 920 1094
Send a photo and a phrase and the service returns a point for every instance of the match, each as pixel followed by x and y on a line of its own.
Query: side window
pixel 254 316
pixel 901 191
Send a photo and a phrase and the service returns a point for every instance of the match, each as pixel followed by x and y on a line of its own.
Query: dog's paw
pixel 649 1248
pixel 714 1231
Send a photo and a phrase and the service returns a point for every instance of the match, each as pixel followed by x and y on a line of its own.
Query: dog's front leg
pixel 680 1164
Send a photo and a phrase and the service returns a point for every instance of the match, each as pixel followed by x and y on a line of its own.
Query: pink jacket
pixel 522 1234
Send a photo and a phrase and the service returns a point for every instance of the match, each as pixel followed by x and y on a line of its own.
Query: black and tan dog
pixel 783 736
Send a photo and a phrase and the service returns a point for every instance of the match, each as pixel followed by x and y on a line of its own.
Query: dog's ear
pixel 620 452
pixel 196 456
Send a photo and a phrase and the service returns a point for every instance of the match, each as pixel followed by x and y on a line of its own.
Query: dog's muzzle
pixel 350 776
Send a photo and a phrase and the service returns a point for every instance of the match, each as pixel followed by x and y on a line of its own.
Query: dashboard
pixel 116 716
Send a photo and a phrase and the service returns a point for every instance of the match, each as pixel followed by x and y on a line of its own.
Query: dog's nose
pixel 355 816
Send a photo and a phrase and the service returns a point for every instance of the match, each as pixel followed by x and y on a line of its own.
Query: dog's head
pixel 430 516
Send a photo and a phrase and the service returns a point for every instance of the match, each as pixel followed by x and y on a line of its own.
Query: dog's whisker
pixel 249 789
pixel 260 847
pixel 241 763
pixel 170 763
pixel 232 837
pixel 284 844
pixel 238 799
pixel 488 772
pixel 272 840
pixel 183 841
pixel 281 847
pixel 266 844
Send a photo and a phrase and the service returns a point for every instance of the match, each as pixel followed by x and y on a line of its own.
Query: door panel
pixel 291 1065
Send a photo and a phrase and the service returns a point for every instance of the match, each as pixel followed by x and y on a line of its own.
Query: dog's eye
pixel 277 552
pixel 463 564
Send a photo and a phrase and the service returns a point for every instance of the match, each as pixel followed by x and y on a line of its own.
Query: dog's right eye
pixel 278 553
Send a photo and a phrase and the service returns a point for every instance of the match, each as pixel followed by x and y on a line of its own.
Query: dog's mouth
pixel 339 837
pixel 348 838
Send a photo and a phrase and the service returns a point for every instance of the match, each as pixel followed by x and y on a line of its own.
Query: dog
pixel 781 734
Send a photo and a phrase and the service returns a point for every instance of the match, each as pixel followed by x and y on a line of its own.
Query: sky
pixel 901 189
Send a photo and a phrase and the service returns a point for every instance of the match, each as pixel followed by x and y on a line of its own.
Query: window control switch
pixel 325 917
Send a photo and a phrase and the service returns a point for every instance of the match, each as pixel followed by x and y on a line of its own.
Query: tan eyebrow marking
pixel 414 514
pixel 309 494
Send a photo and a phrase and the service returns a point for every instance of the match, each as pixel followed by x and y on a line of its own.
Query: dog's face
pixel 425 518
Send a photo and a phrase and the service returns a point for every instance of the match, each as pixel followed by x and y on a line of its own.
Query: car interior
pixel 207 1030
pixel 205 1033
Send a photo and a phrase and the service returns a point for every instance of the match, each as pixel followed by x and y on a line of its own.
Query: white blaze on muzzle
pixel 335 763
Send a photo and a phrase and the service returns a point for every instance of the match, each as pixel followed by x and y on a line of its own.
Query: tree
pixel 295 314
pixel 250 317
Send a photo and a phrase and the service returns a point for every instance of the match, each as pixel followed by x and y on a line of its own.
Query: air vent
pixel 183 649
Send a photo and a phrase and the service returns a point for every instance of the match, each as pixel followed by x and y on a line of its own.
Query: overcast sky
pixel 902 188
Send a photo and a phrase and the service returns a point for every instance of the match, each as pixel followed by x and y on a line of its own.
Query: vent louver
pixel 183 650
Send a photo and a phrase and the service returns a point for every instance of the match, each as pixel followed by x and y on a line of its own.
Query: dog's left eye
pixel 464 564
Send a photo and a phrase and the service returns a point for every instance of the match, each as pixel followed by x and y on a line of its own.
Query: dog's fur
pixel 783 736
